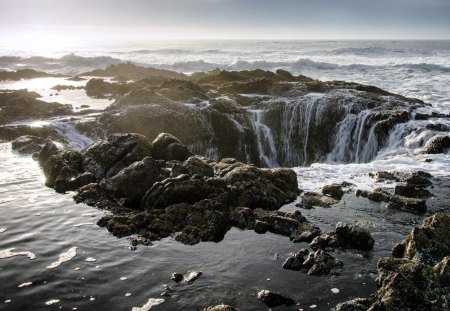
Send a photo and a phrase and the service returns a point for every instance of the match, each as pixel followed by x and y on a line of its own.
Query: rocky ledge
pixel 418 277
pixel 160 189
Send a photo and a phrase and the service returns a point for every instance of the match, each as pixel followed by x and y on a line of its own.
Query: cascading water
pixel 266 143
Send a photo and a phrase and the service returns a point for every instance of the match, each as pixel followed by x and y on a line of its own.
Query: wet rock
pixel 272 299
pixel 411 191
pixel 29 144
pixel 314 263
pixel 357 304
pixel 194 165
pixel 383 176
pixel 192 277
pixel 167 147
pixel 107 158
pixel 133 181
pixel 416 206
pixel 418 179
pixel 334 190
pixel 438 144
pixel 419 277
pixel 22 105
pixel 221 307
pixel 311 199
pixel 25 74
pixel 438 127
pixel 177 277
pixel 345 236
pixel 378 195
pixel 98 88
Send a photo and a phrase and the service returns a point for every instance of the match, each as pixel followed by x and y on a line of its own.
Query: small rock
pixel 357 304
pixel 177 277
pixel 416 206
pixel 314 263
pixel 192 276
pixel 334 190
pixel 345 236
pixel 272 299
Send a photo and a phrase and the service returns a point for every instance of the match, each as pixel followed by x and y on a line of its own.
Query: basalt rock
pixel 20 105
pixel 97 88
pixel 29 144
pixel 438 144
pixel 411 191
pixel 272 299
pixel 419 277
pixel 167 147
pixel 345 236
pixel 195 200
pixel 416 206
pixel 378 195
pixel 313 263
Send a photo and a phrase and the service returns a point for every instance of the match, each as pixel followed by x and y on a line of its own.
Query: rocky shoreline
pixel 199 161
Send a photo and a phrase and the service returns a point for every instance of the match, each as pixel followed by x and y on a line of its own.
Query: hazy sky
pixel 275 19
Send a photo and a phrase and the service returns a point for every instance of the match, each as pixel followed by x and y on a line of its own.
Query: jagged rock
pixel 221 307
pixel 97 88
pixel 314 263
pixel 411 191
pixel 345 236
pixel 177 277
pixel 22 105
pixel 438 144
pixel 378 195
pixel 133 181
pixel 418 179
pixel 167 147
pixel 416 206
pixel 438 127
pixel 357 304
pixel 194 165
pixel 272 299
pixel 107 158
pixel 334 190
pixel 311 199
pixel 383 176
pixel 419 277
pixel 29 144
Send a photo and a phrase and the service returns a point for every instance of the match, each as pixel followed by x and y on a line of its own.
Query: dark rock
pixel 411 191
pixel 272 299
pixel 314 263
pixel 221 307
pixel 438 144
pixel 97 88
pixel 167 147
pixel 438 127
pixel 378 195
pixel 357 304
pixel 419 179
pixel 345 236
pixel 29 144
pixel 133 181
pixel 333 190
pixel 382 176
pixel 25 74
pixel 107 158
pixel 416 206
pixel 194 165
pixel 177 277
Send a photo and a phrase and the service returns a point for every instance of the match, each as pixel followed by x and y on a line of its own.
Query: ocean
pixel 35 219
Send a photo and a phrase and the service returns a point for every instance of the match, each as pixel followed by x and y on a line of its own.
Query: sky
pixel 34 21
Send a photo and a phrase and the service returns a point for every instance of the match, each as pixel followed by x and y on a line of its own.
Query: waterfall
pixel 265 141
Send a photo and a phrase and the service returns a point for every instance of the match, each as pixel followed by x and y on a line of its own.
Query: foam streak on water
pixel 64 257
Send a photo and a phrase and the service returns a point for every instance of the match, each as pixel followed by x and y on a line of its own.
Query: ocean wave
pixel 176 51
pixel 373 51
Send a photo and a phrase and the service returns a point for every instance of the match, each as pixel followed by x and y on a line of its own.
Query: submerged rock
pixel 334 190
pixel 314 263
pixel 221 307
pixel 272 299
pixel 345 236
pixel 29 144
pixel 378 195
pixel 357 304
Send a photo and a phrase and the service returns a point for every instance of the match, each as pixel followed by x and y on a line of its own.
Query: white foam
pixel 127 294
pixel 3 230
pixel 51 302
pixel 64 257
pixel 84 224
pixel 152 302
pixel 123 278
pixel 26 284
pixel 7 253
pixel 91 259
pixel 335 290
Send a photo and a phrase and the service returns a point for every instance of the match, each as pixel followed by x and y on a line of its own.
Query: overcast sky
pixel 258 19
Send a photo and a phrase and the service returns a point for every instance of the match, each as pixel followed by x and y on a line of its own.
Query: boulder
pixel 167 147
pixel 334 190
pixel 418 179
pixel 438 127
pixel 314 263
pixel 272 299
pixel 345 236
pixel 411 191
pixel 411 205
pixel 98 88
pixel 378 195
pixel 438 144
pixel 107 158
pixel 29 144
